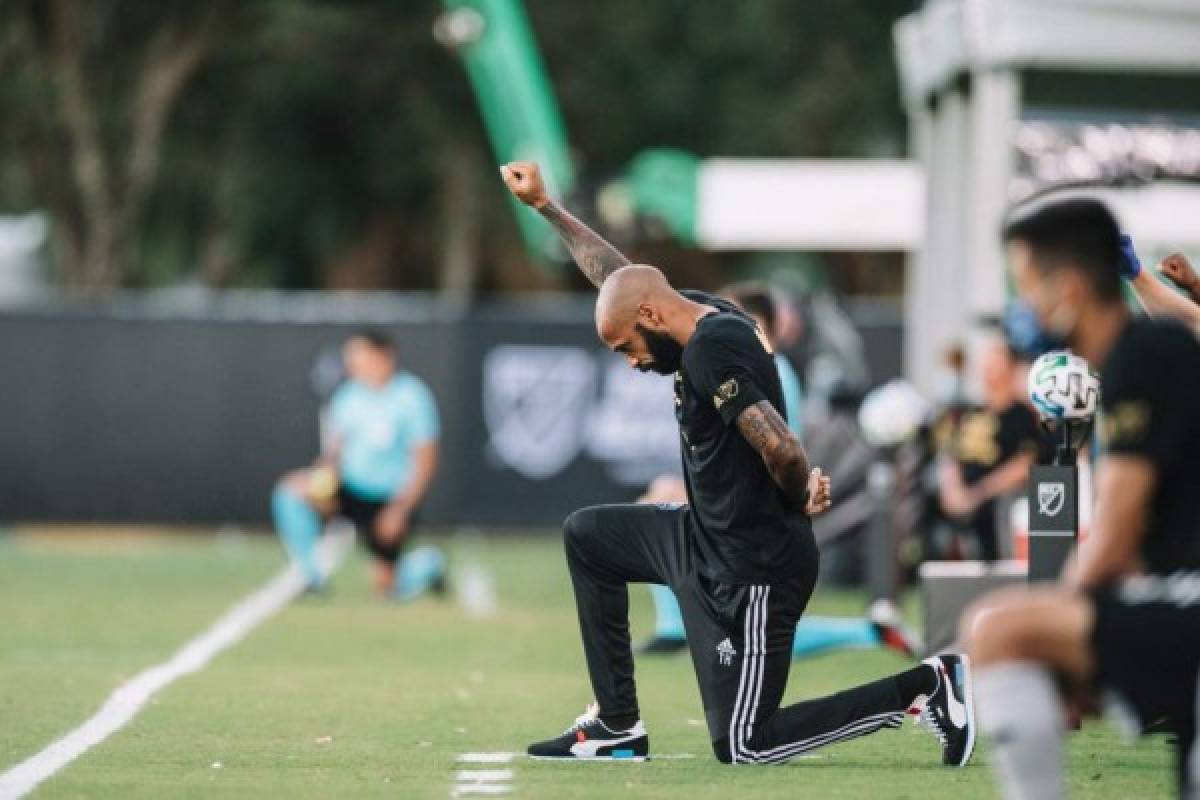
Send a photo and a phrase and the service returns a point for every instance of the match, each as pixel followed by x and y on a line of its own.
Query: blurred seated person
pixel 922 525
pixel 377 465
pixel 990 449
pixel 882 627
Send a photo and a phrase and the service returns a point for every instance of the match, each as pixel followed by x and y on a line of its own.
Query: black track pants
pixel 740 636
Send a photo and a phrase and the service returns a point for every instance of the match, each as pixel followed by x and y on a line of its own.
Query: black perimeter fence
pixel 180 407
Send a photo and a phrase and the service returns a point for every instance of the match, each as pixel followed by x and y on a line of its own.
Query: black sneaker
pixel 661 646
pixel 590 739
pixel 949 713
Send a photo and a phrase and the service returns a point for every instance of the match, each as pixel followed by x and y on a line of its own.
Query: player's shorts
pixel 1146 643
pixel 362 513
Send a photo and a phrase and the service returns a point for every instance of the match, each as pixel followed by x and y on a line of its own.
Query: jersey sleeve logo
pixel 725 392
pixel 1125 424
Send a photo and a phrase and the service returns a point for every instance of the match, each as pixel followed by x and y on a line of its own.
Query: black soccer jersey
pixel 744 527
pixel 1150 388
pixel 982 442
pixel 985 440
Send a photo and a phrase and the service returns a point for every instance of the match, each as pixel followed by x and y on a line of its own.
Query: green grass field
pixel 348 696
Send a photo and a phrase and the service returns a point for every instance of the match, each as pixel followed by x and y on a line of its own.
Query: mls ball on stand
pixel 1062 386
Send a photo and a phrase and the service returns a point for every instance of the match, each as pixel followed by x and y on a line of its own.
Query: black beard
pixel 667 354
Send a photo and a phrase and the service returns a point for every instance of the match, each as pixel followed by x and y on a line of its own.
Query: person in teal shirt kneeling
pixel 376 467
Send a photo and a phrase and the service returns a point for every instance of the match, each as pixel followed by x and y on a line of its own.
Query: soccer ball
pixel 1063 386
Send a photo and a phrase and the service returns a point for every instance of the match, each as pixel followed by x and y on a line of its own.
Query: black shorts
pixel 1146 644
pixel 362 513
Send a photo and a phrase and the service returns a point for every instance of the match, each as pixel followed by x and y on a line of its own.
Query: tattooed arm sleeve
pixel 596 258
pixel 783 454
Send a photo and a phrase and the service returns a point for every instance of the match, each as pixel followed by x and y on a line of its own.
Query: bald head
pixel 641 317
pixel 624 293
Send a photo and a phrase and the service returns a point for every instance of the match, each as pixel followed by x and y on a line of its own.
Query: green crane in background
pixel 515 98
pixel 788 205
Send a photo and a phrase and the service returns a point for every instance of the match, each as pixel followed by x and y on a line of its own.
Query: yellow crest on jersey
pixel 1126 424
pixel 725 392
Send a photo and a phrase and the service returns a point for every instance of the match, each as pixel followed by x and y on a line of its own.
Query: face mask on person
pixel 666 352
pixel 1028 335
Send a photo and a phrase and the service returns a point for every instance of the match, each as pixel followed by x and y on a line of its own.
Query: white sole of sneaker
pixel 969 702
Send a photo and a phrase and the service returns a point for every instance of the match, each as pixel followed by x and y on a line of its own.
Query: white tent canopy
pixel 810 205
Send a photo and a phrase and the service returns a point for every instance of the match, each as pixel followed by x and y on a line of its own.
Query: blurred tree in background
pixel 312 143
pixel 87 95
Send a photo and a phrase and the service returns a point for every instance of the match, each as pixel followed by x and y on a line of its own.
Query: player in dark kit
pixel 740 556
pixel 1123 624
pixel 991 449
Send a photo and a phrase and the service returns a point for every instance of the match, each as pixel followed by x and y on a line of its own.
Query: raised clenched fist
pixel 1180 271
pixel 524 180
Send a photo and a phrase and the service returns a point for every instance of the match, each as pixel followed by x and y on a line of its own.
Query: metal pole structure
pixel 881 561
pixel 993 111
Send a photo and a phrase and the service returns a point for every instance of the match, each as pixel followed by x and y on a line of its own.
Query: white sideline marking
pixel 483 775
pixel 486 758
pixel 128 698
pixel 483 781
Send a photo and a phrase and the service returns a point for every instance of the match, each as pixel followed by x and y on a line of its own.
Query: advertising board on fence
pixel 121 413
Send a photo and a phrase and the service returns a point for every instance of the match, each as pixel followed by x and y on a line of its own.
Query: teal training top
pixel 377 431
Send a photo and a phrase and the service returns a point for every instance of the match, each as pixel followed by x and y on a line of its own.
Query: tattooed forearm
pixel 596 258
pixel 783 454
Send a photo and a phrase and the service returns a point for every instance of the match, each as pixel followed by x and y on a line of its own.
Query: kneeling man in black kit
pixel 740 555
